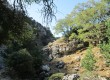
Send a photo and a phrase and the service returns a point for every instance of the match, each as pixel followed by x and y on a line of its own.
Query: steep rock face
pixel 59 49
pixel 41 33
pixel 9 19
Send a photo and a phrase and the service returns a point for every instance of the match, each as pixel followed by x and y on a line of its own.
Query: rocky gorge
pixel 63 57
pixel 29 51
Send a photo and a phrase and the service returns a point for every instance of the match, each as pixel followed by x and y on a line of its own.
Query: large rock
pixel 55 51
pixel 103 78
pixel 44 74
pixel 71 77
pixel 77 58
pixel 45 68
pixel 60 64
pixel 50 57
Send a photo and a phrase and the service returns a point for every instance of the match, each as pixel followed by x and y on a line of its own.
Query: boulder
pixel 77 58
pixel 77 69
pixel 60 64
pixel 44 74
pixel 55 49
pixel 50 57
pixel 71 77
pixel 45 68
pixel 103 78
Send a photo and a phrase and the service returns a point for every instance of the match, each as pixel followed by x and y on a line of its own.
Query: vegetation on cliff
pixel 87 25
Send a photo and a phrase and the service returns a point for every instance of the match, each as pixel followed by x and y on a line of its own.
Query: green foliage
pixel 18 58
pixel 21 63
pixel 89 76
pixel 10 23
pixel 88 61
pixel 105 50
pixel 86 22
pixel 25 35
pixel 62 27
pixel 105 46
pixel 37 58
pixel 108 29
pixel 56 76
pixel 72 36
pixel 90 19
pixel 18 33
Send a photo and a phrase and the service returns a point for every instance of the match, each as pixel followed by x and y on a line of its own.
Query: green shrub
pixel 37 58
pixel 88 61
pixel 88 75
pixel 56 76
pixel 72 36
pixel 21 63
pixel 105 50
pixel 105 46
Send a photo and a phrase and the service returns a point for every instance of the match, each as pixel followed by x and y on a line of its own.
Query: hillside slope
pixel 72 60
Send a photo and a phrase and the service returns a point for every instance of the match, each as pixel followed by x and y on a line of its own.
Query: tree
pixel 48 10
pixel 12 19
pixel 62 27
pixel 24 58
pixel 90 19
pixel 106 44
pixel 87 21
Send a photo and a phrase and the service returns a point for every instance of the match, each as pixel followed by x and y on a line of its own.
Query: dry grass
pixel 72 62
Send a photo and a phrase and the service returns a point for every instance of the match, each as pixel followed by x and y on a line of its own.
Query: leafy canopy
pixel 48 10
pixel 86 22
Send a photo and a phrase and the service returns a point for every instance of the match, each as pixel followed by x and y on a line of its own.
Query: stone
pixel 47 74
pixel 102 78
pixel 77 58
pixel 71 77
pixel 44 75
pixel 54 51
pixel 50 57
pixel 60 64
pixel 67 48
pixel 45 68
pixel 60 49
pixel 77 69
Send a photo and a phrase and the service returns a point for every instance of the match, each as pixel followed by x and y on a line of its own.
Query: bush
pixel 88 76
pixel 37 58
pixel 105 50
pixel 72 36
pixel 105 45
pixel 88 61
pixel 56 76
pixel 21 63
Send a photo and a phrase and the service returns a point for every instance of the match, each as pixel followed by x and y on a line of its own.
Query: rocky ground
pixel 70 63
pixel 58 59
